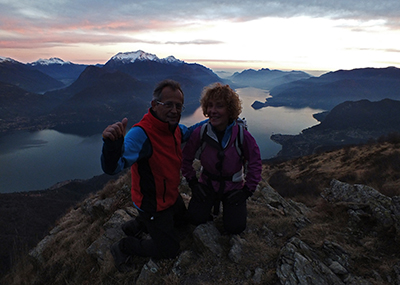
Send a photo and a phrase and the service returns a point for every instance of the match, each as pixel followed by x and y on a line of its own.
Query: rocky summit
pixel 349 235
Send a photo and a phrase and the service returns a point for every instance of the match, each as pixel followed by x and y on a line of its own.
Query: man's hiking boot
pixel 133 228
pixel 122 261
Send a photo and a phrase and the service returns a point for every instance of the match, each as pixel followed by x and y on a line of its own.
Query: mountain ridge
pixel 26 77
pixel 332 88
pixel 123 81
pixel 265 78
pixel 64 71
pixel 351 122
pixel 131 57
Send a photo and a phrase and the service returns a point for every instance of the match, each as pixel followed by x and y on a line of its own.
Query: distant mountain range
pixel 78 98
pixel 333 88
pixel 25 77
pixel 92 96
pixel 64 71
pixel 266 78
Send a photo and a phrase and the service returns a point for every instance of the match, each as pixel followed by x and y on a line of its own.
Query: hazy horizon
pixel 303 35
pixel 218 70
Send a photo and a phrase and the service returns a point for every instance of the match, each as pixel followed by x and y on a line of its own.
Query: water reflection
pixel 262 123
pixel 38 160
pixel 19 140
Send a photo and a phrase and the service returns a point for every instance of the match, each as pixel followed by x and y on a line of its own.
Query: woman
pixel 226 148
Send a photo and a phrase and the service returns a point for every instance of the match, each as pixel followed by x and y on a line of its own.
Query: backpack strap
pixel 239 140
pixel 202 140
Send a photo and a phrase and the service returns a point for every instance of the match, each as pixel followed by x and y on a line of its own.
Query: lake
pixel 37 160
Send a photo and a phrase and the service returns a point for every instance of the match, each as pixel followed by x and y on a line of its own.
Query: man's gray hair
pixel 174 85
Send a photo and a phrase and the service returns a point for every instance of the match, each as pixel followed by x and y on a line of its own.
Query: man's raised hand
pixel 115 131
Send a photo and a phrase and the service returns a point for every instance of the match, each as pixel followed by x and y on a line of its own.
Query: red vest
pixel 155 179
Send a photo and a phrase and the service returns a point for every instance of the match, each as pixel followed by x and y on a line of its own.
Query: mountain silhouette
pixel 333 88
pixel 26 77
pixel 66 72
pixel 266 78
pixel 103 94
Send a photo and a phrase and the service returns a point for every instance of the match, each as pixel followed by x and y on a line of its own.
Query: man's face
pixel 169 108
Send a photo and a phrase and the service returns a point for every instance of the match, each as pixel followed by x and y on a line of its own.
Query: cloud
pixel 60 39
pixel 98 12
pixel 196 42
pixel 128 15
pixel 209 27
pixel 377 49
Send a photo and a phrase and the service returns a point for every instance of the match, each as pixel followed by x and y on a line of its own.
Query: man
pixel 152 148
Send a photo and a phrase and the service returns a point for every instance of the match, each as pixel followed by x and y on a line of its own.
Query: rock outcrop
pixel 295 260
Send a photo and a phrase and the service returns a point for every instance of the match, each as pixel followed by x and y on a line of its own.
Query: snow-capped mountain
pixel 26 77
pixel 148 67
pixel 91 96
pixel 171 59
pixel 4 59
pixel 130 57
pixel 50 61
pixel 65 71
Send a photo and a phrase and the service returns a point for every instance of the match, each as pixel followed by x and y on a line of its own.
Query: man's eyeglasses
pixel 170 105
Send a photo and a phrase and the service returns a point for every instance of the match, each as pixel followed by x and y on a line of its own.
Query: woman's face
pixel 217 112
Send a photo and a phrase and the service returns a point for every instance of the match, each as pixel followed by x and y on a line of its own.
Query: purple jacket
pixel 232 163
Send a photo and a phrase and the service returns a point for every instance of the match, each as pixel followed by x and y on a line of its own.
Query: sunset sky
pixel 309 35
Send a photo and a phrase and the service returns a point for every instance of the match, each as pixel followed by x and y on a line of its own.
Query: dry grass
pixel 376 165
pixel 328 222
pixel 66 259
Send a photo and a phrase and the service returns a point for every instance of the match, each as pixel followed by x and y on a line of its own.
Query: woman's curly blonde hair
pixel 224 93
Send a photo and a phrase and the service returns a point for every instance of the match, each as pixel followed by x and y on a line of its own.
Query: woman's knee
pixel 199 213
pixel 233 227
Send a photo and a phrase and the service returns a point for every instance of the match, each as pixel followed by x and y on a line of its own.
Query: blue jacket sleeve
pixel 120 154
pixel 186 132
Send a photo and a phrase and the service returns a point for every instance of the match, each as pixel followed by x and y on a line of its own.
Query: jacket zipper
pixel 165 189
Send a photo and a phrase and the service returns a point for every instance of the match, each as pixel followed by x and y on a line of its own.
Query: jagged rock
pixel 396 270
pixel 277 203
pixel 37 252
pixel 335 254
pixel 248 274
pixel 149 274
pixel 206 237
pixel 97 207
pixel 119 217
pixel 297 263
pixel 300 264
pixel 258 275
pixel 395 208
pixel 365 204
pixel 235 254
pixel 185 260
pixel 113 233
pixel 337 268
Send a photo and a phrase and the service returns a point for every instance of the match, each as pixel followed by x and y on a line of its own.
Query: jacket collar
pixel 158 124
pixel 211 132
